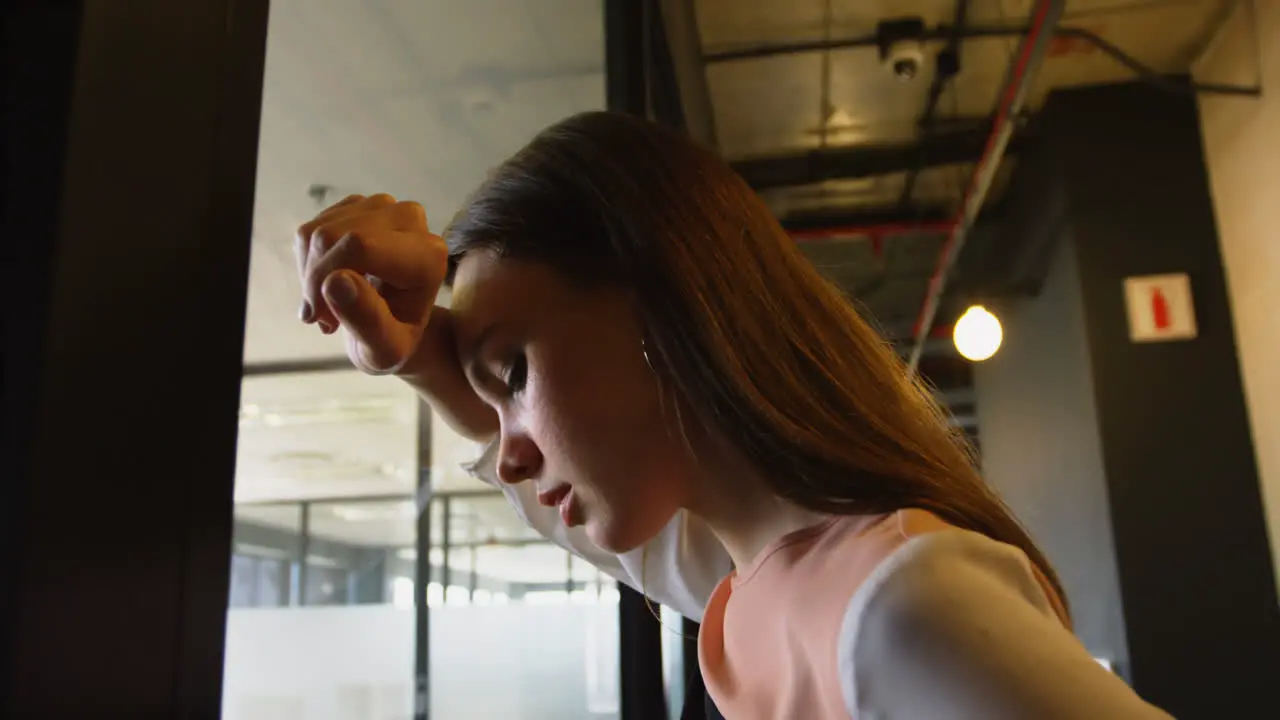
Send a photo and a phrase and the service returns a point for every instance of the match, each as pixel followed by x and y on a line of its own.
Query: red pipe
pixel 871 231
pixel 1009 97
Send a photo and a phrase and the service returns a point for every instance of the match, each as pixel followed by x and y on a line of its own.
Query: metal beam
pixel 763 173
pixel 679 23
pixel 893 215
pixel 926 218
pixel 290 367
pixel 626 84
pixel 665 106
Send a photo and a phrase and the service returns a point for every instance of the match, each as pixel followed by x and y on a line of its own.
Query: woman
pixel 661 365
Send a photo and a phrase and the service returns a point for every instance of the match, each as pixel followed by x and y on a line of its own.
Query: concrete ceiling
pixel 419 98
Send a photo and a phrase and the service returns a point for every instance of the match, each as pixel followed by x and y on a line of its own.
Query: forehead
pixel 480 286
pixel 475 273
pixel 488 289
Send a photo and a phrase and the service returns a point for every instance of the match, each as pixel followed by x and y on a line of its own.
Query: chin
pixel 619 538
pixel 607 537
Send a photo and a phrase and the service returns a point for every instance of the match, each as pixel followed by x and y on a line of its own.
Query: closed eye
pixel 515 373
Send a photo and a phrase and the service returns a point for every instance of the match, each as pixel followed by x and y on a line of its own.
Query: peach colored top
pixel 884 617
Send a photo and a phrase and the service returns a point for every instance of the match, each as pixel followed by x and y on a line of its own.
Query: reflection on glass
pixel 266 549
pixel 323 575
pixel 326 470
pixel 507 604
pixel 352 551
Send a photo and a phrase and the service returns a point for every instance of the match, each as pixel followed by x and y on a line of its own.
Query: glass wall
pixel 418 98
pixel 322 620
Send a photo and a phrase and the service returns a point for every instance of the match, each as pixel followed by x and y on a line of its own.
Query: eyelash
pixel 515 373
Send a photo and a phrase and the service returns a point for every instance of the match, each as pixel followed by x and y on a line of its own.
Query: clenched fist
pixel 371 266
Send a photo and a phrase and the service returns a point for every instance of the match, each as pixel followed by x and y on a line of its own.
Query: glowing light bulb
pixel 977 334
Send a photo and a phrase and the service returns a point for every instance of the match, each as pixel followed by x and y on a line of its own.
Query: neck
pixel 741 509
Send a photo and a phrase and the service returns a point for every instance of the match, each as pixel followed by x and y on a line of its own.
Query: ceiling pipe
pixel 1017 86
pixel 871 231
pixel 946 66
pixel 875 233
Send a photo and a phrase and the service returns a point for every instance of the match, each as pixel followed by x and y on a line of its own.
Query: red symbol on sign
pixel 1159 309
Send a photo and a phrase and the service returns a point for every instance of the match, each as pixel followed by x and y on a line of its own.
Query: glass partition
pixel 419 99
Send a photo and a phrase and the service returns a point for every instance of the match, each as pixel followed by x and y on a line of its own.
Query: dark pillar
pixel 130 148
pixel 1201 622
pixel 628 78
pixel 422 572
pixel 643 692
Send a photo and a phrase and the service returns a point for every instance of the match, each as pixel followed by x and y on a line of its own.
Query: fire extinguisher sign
pixel 1160 308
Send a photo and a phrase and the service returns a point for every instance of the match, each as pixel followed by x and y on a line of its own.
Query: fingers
pixel 302 238
pixel 365 221
pixel 399 259
pixel 324 238
pixel 348 207
pixel 382 343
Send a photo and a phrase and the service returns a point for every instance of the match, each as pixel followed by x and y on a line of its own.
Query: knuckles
pixel 411 215
pixel 347 244
pixel 437 249
pixel 354 245
pixel 323 239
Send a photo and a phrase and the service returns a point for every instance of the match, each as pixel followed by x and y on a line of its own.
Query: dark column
pixel 1167 420
pixel 643 692
pixel 422 571
pixel 628 75
pixel 130 148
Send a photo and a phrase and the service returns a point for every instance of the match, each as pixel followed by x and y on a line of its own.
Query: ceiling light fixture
pixel 978 334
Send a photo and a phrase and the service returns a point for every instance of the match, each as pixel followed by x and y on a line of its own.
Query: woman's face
pixel 583 416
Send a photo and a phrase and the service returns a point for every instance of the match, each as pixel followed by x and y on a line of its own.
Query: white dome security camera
pixel 901 45
pixel 904 59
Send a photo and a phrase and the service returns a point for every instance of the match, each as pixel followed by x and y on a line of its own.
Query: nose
pixel 518 458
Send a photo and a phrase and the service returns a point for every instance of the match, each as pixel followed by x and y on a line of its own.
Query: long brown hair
pixel 758 344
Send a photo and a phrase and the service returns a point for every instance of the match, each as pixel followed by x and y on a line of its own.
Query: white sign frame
pixel 1174 293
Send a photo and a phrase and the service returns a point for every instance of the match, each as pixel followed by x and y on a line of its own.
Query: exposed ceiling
pixel 845 105
pixel 421 97
pixel 776 104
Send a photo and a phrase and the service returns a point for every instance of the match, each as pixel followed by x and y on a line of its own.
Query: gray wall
pixel 1041 448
